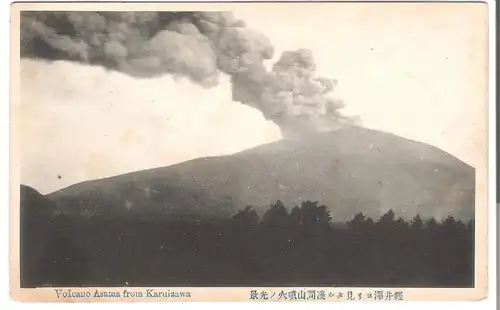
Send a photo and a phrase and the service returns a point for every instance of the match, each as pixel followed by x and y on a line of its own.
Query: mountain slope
pixel 349 170
pixel 35 214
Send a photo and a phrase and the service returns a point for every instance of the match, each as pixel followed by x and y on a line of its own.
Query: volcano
pixel 350 170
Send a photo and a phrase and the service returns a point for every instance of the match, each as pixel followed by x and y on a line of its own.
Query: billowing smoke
pixel 197 45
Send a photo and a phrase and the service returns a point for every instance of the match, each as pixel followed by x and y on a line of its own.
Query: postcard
pixel 329 152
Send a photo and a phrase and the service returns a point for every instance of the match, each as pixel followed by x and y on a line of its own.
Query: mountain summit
pixel 349 170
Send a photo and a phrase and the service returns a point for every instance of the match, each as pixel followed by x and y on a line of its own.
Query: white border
pixel 489 303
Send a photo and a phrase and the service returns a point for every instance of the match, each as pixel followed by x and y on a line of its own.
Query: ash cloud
pixel 199 46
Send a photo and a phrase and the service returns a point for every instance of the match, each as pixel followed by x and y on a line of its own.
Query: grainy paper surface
pixel 249 151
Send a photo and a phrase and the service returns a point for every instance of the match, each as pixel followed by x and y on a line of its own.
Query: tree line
pixel 298 247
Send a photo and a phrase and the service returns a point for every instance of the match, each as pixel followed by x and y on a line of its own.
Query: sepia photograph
pixel 249 151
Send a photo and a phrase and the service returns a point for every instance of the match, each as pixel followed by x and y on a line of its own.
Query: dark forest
pixel 301 247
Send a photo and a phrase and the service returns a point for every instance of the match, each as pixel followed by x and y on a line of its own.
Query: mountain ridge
pixel 348 170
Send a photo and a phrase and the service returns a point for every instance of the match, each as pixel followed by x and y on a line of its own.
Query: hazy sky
pixel 416 70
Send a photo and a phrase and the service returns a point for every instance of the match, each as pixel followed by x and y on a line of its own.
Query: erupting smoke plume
pixel 197 45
